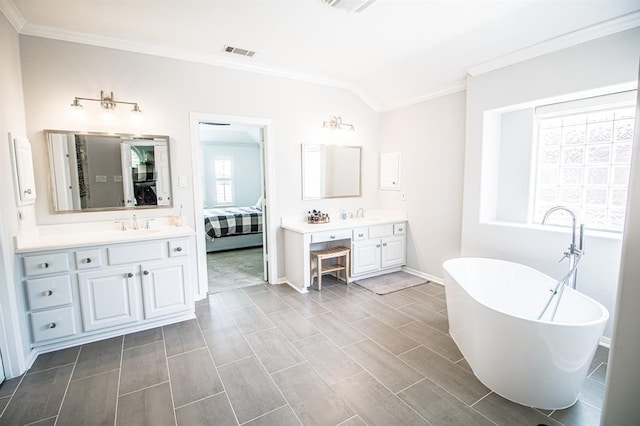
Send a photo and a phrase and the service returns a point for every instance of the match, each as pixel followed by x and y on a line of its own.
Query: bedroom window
pixel 223 180
pixel 583 161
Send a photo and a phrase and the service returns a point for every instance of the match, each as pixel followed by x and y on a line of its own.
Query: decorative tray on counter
pixel 317 217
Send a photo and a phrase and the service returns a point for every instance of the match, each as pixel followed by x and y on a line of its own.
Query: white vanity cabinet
pixel 378 246
pixel 79 294
pixel 383 248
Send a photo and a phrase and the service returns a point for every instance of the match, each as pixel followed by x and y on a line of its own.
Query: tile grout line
pixel 41 420
pixel 75 364
pixel 166 360
pixel 201 399
pixel 224 388
pixel 47 369
pixel 268 412
pixel 115 416
pixel 12 395
pixel 145 388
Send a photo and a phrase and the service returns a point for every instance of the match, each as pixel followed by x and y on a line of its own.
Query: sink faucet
pixel 360 212
pixel 134 223
pixel 574 252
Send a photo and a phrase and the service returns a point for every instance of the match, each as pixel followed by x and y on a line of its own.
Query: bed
pixel 232 228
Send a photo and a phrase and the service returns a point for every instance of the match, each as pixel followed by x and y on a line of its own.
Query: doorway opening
pixel 231 199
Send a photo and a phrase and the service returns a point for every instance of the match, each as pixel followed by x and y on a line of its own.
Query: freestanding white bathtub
pixel 493 307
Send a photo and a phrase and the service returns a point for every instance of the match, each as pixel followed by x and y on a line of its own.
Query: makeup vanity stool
pixel 318 256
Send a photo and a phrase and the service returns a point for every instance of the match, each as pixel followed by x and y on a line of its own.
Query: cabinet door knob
pixel 146 272
pixel 52 325
pixel 130 275
pixel 44 265
pixel 48 293
pixel 178 248
pixel 88 260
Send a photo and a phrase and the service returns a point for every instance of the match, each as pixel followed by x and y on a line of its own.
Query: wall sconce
pixel 107 103
pixel 336 123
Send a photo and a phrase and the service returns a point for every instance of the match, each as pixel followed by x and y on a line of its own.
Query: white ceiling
pixel 393 53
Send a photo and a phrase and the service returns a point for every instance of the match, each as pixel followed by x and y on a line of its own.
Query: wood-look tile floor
pixel 266 355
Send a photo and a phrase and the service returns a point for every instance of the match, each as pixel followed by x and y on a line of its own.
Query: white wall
pixel 430 137
pixel 168 90
pixel 12 341
pixel 623 375
pixel 588 69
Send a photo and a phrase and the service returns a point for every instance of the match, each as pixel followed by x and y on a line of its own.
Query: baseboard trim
pixel 432 278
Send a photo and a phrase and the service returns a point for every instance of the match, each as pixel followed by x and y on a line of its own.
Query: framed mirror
pixel 331 171
pixel 98 171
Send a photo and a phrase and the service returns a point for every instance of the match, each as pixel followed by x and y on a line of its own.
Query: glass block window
pixel 224 180
pixel 583 162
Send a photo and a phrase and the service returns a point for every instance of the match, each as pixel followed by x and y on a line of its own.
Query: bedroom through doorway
pixel 233 187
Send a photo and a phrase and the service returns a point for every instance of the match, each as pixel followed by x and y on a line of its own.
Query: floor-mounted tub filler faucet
pixel 574 253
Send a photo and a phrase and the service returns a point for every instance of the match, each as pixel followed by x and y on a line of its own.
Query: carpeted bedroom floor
pixel 233 269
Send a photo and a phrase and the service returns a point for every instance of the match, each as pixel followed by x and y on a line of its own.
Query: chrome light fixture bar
pixel 336 123
pixel 107 103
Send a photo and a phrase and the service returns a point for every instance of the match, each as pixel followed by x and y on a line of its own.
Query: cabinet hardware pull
pixel 130 275
pixel 88 260
pixel 333 237
pixel 400 229
pixel 52 325
pixel 44 265
pixel 27 191
pixel 360 235
pixel 48 293
pixel 377 245
pixel 178 248
pixel 146 272
pixel 384 244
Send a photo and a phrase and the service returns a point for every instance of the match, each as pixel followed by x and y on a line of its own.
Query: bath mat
pixel 388 283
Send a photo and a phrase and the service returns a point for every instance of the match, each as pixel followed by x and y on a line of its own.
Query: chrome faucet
pixel 574 252
pixel 134 223
pixel 360 212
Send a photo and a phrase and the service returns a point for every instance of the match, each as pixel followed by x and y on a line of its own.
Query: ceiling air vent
pixel 351 6
pixel 238 51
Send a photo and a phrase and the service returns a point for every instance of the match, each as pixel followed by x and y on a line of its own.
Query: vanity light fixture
pixel 336 123
pixel 107 103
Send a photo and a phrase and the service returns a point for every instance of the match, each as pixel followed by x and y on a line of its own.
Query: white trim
pixel 13 14
pixel 583 35
pixel 432 278
pixel 270 227
pixel 605 341
pixel 455 88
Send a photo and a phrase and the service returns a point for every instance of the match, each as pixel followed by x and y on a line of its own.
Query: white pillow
pixel 258 204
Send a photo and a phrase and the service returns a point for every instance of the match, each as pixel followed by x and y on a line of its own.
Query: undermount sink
pixel 140 231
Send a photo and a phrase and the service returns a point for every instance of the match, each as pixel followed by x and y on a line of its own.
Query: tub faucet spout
pixel 575 251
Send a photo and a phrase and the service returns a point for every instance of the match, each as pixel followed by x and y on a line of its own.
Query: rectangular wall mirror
pixel 331 171
pixel 96 171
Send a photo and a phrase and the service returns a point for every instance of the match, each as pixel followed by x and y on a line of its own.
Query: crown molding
pixel 190 56
pixel 455 88
pixel 583 35
pixel 13 14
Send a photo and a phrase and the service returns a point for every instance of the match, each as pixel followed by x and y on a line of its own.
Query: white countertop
pixel 37 241
pixel 298 225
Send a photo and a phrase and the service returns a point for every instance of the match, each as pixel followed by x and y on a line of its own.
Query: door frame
pixel 268 192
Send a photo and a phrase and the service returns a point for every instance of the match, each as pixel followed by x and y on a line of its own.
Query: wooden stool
pixel 330 253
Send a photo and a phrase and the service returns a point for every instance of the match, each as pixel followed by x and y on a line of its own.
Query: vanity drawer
pixel 45 264
pixel 131 253
pixel 49 292
pixel 88 259
pixel 360 234
pixel 381 230
pixel 340 234
pixel 399 229
pixel 52 324
pixel 178 248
